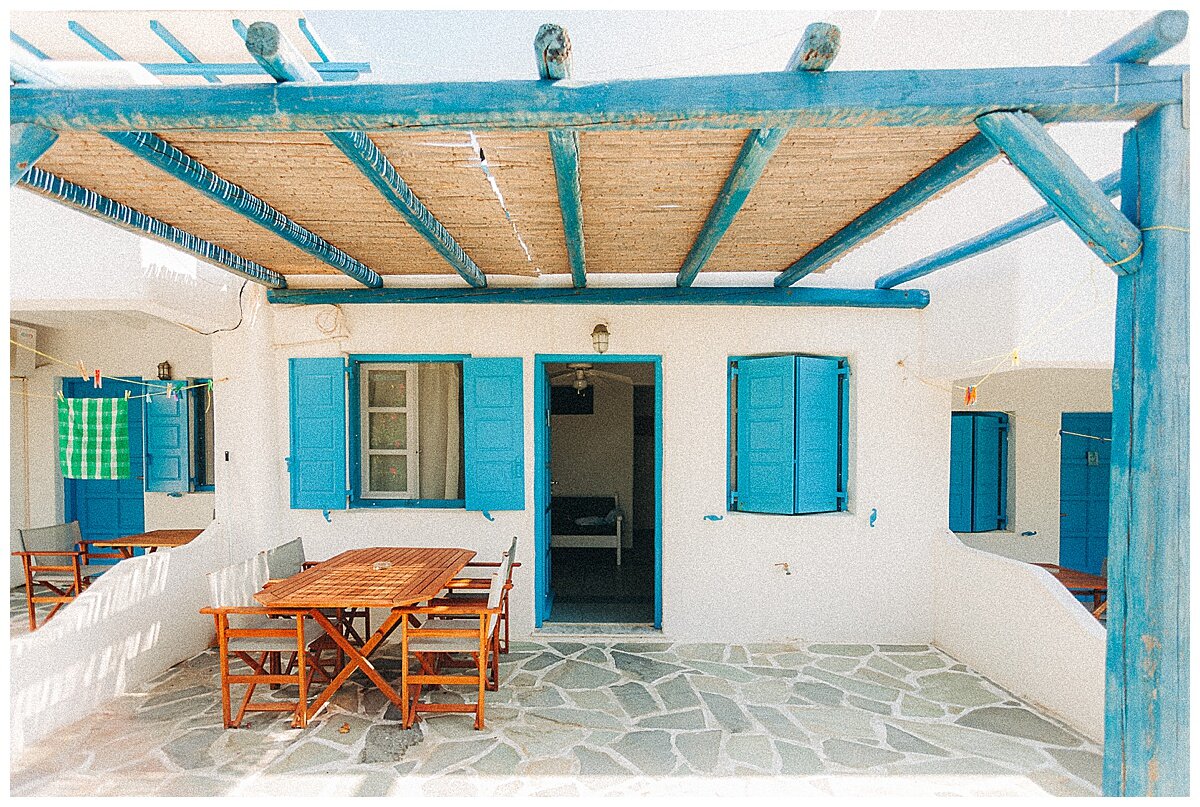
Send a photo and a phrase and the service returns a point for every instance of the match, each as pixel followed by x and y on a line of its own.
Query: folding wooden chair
pixel 247 631
pixel 470 630
pixel 469 590
pixel 287 560
pixel 54 560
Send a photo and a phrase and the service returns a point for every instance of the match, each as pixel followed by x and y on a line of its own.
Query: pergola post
pixel 1147 693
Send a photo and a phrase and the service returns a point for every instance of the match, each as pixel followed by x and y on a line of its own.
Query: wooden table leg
pixel 356 659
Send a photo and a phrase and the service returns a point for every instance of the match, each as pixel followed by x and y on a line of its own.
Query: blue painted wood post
pixel 952 168
pixel 283 61
pixel 1152 38
pixel 1146 748
pixel 552 47
pixel 815 52
pixel 1065 187
pixel 127 218
pixel 161 154
pixel 1021 226
pixel 27 143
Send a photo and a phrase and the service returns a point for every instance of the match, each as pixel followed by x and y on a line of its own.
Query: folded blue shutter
pixel 818 409
pixel 494 434
pixel 989 449
pixel 166 468
pixel 317 403
pixel 766 435
pixel 962 453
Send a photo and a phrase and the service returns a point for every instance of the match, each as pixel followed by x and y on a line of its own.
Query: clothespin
pixel 83 373
pixel 127 395
pixel 971 394
pixel 1016 358
pixel 96 382
pixel 61 397
pixel 208 397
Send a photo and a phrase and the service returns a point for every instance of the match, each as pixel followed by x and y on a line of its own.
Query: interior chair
pixel 458 630
pixel 54 561
pixel 287 560
pixel 471 590
pixel 247 631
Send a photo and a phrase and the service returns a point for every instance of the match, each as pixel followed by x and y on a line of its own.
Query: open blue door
pixel 1083 490
pixel 167 443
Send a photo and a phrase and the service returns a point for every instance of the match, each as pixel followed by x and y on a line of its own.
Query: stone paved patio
pixel 606 717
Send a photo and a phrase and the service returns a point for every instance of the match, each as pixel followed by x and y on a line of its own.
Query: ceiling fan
pixel 581 375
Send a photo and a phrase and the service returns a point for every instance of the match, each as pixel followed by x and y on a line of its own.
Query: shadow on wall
pixel 1017 625
pixel 135 621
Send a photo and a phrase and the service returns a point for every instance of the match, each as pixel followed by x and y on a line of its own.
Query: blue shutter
pixel 989 436
pixel 962 460
pixel 166 467
pixel 818 409
pixel 494 434
pixel 766 435
pixel 317 403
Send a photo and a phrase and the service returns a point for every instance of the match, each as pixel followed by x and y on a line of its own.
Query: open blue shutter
pixel 494 434
pixel 318 433
pixel 766 434
pixel 988 484
pixel 166 468
pixel 962 458
pixel 818 406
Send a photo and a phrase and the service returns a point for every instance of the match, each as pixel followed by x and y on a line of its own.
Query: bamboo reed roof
pixel 645 194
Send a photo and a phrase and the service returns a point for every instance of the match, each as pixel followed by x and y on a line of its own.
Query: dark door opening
pixel 603 495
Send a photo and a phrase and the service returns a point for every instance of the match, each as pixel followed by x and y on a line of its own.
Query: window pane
pixel 387 388
pixel 389 430
pixel 389 472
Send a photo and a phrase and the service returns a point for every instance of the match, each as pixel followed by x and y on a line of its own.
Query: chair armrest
pixel 248 609
pixel 448 610
pixel 55 552
pixel 489 564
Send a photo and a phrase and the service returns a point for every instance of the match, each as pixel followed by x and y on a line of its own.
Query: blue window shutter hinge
pixel 288 460
pixel 844 370
pixel 733 370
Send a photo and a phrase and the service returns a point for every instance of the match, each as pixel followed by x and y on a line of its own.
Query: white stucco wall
pixel 720 580
pixel 1035 399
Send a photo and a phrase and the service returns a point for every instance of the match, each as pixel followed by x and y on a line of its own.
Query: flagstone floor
pixel 594 717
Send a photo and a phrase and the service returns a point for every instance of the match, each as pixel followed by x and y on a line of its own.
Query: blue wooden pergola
pixel 1145 241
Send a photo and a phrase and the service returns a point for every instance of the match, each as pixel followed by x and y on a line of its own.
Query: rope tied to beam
pixel 1138 251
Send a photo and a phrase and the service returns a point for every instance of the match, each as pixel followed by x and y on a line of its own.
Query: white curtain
pixel 440 430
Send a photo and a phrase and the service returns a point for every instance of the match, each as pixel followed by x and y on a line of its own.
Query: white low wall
pixel 1017 625
pixel 133 623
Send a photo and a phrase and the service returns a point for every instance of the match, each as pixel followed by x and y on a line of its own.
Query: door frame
pixel 543 596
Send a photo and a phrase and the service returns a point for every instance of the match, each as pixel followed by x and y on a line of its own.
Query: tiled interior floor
pixel 584 717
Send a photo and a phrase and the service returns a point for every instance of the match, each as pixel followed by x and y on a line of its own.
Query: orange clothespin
pixel 971 394
pixel 97 383
pixel 83 373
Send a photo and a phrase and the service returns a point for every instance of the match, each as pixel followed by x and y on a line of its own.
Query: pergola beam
pixel 1152 38
pixel 162 155
pixel 553 49
pixel 816 51
pixel 183 50
pixel 1065 187
pixel 655 295
pixel 839 99
pixel 127 218
pixel 947 171
pixel 283 61
pixel 1021 226
pixel 27 143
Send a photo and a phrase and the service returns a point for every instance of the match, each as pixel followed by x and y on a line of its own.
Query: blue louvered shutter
pixel 818 427
pixel 166 467
pixel 317 401
pixel 990 434
pixel 962 460
pixel 494 434
pixel 766 435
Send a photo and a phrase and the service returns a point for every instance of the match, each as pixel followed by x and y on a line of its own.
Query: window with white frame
pixel 389 431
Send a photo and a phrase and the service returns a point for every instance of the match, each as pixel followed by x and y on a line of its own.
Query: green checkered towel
pixel 93 438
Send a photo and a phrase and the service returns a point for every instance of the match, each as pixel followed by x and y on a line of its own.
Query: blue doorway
pixel 545 584
pixel 1083 490
pixel 109 508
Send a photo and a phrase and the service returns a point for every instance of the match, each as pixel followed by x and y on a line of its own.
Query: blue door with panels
pixel 1083 490
pixel 109 508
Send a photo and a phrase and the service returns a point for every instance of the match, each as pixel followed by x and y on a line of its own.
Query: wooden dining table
pixel 377 577
pixel 1078 582
pixel 149 541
